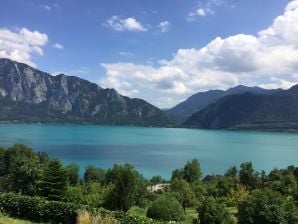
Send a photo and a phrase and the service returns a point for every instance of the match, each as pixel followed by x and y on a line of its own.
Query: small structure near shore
pixel 159 187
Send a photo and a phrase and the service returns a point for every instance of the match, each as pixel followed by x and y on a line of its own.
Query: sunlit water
pixel 155 151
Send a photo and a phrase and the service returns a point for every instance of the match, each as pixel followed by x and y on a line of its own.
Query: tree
pixel 156 180
pixel 182 191
pixel 166 208
pixel 248 177
pixel 177 174
pixel 213 212
pixel 21 169
pixel 72 171
pixel 231 172
pixel 54 182
pixel 267 206
pixel 93 174
pixel 123 195
pixel 192 171
pixel 283 181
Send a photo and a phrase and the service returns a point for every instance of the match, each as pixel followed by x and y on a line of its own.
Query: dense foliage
pixel 31 183
pixel 267 206
pixel 38 209
pixel 166 208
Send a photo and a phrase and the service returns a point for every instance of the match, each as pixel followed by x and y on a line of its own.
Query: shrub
pixel 38 209
pixel 166 208
pixel 211 211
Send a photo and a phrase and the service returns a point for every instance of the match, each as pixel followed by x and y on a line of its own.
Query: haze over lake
pixel 155 151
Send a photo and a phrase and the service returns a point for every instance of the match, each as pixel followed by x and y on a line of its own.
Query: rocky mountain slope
pixel 29 95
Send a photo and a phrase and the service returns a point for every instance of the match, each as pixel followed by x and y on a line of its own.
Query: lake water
pixel 155 151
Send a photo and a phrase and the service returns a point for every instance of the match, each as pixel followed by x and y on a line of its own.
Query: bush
pixel 211 211
pixel 267 206
pixel 38 209
pixel 166 208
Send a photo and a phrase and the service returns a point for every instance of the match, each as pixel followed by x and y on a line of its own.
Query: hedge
pixel 38 209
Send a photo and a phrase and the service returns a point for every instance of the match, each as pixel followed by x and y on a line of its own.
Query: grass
pixel 137 211
pixel 7 220
pixel 191 213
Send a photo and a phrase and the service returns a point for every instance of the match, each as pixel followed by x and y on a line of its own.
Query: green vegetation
pixel 166 208
pixel 212 211
pixel 40 189
pixel 4 219
pixel 267 206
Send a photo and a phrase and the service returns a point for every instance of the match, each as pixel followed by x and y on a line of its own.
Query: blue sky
pixel 162 51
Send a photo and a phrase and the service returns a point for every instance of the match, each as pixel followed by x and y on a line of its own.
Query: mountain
pixel 200 100
pixel 29 95
pixel 278 111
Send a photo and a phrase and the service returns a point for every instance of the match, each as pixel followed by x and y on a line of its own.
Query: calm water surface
pixel 155 151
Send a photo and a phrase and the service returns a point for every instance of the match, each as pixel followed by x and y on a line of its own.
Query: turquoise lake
pixel 155 151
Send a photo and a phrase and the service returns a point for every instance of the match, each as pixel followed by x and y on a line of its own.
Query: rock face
pixel 29 95
pixel 278 111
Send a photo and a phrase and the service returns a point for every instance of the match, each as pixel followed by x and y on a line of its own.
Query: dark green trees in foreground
pixel 245 196
pixel 267 206
pixel 54 181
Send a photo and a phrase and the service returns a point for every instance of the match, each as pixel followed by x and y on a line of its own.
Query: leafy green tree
pixel 192 171
pixel 267 207
pixel 92 194
pixel 183 193
pixel 72 171
pixel 54 183
pixel 166 208
pixel 2 164
pixel 156 180
pixel 283 181
pixel 93 174
pixel 213 212
pixel 125 181
pixel 248 177
pixel 231 172
pixel 21 169
pixel 225 185
pixel 177 174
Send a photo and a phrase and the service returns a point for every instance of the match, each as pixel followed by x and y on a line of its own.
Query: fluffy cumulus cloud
pixel 268 59
pixel 127 24
pixel 20 45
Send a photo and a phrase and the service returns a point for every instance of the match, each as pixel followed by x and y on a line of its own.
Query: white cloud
pixel 164 26
pixel 204 9
pixel 268 59
pixel 127 24
pixel 201 12
pixel 58 46
pixel 125 54
pixel 20 45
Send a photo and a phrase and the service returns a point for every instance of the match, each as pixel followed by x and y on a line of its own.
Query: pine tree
pixel 54 182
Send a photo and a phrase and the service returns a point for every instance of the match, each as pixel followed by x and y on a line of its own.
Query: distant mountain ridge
pixel 200 100
pixel 277 111
pixel 30 95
